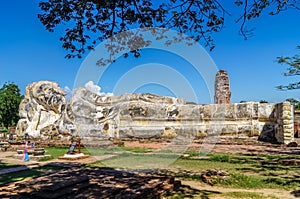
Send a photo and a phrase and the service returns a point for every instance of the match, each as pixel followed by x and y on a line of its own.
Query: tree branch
pixel 222 8
pixel 244 20
pixel 139 12
pixel 113 22
pixel 181 14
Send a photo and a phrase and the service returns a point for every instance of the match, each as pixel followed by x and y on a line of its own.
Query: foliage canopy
pixel 92 21
pixel 292 70
pixel 10 99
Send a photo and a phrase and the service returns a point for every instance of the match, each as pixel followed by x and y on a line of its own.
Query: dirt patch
pixel 247 147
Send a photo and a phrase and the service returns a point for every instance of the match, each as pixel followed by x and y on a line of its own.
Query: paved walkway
pixel 20 168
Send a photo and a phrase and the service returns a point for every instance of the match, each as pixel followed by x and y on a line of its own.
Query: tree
pixel 92 21
pixel 292 70
pixel 295 102
pixel 263 101
pixel 10 99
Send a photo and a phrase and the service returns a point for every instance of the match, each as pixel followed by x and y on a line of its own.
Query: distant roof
pixel 297 111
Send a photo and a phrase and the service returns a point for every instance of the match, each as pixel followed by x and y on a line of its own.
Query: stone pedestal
pixel 35 154
pixel 75 156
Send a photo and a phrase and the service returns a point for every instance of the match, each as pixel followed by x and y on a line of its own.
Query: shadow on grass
pixel 270 166
pixel 17 176
pixel 285 182
pixel 262 169
pixel 10 177
pixel 296 193
pixel 4 165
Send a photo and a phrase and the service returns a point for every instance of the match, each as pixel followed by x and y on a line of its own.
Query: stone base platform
pixel 31 157
pixel 73 156
pixel 91 183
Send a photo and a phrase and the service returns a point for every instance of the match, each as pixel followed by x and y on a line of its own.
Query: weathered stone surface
pixel 244 110
pixel 285 130
pixel 266 111
pixel 44 111
pixel 222 88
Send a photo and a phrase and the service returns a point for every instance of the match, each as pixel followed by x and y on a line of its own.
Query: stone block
pixel 255 110
pixel 243 111
pixel 285 127
pixel 288 122
pixel 208 111
pixel 244 130
pixel 230 112
pixel 266 111
pixel 218 111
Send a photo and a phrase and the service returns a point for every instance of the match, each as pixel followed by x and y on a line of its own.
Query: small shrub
pixel 220 158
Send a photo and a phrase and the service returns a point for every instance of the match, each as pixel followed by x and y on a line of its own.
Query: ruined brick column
pixel 222 88
pixel 285 130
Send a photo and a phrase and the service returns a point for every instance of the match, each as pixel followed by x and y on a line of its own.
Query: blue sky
pixel 29 53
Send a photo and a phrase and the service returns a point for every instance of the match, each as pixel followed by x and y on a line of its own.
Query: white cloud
pixel 68 92
pixel 96 89
pixel 109 94
pixel 93 87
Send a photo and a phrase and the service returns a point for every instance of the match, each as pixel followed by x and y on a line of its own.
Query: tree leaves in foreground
pixel 292 70
pixel 10 99
pixel 90 22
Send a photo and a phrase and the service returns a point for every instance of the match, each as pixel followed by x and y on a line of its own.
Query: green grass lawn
pixel 56 152
pixel 246 171
pixel 140 161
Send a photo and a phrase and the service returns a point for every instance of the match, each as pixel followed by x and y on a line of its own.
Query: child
pixel 25 155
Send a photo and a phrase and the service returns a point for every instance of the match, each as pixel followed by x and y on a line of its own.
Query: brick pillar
pixel 222 88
